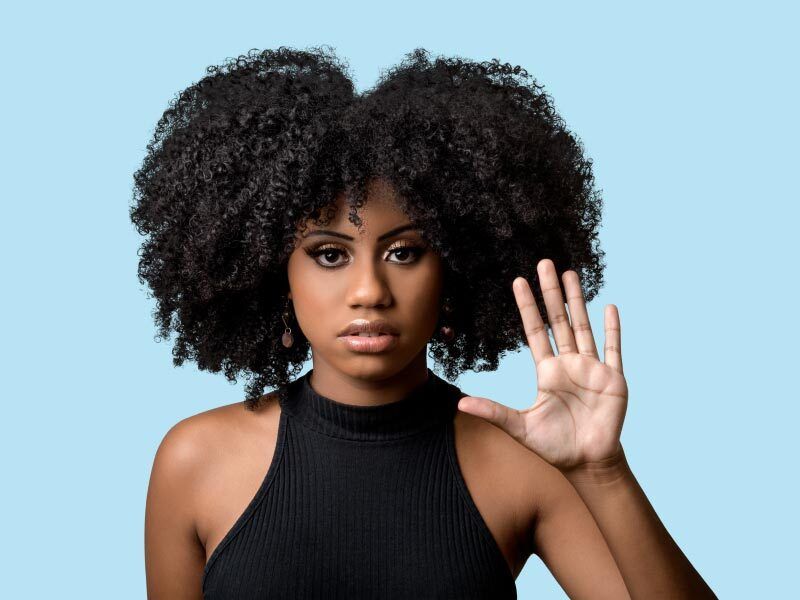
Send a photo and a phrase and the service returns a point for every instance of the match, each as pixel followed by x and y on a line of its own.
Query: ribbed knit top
pixel 361 502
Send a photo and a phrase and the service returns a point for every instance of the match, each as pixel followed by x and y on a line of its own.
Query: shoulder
pixel 520 475
pixel 550 518
pixel 190 455
pixel 192 446
pixel 214 423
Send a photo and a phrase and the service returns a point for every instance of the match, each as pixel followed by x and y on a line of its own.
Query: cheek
pixel 420 297
pixel 309 294
pixel 430 282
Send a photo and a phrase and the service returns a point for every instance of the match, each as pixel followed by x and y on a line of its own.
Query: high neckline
pixel 423 407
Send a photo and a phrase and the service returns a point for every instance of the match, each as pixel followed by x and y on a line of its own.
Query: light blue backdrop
pixel 686 110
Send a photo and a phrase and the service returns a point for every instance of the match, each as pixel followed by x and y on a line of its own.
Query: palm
pixel 577 417
pixel 581 402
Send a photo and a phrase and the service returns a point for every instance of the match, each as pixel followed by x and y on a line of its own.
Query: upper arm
pixel 174 555
pixel 569 542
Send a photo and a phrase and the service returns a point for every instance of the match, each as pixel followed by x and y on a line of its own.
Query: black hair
pixel 483 163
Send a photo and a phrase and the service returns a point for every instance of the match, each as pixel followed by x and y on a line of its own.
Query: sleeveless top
pixel 361 502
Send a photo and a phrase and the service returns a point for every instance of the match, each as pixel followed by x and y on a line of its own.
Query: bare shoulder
pixel 525 474
pixel 190 448
pixel 215 426
pixel 199 450
pixel 190 457
pixel 505 480
pixel 238 445
pixel 517 475
pixel 551 520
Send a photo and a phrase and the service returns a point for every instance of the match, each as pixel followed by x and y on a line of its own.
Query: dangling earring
pixel 446 331
pixel 286 339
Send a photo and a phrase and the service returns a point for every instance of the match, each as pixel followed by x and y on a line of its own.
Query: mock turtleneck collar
pixel 425 406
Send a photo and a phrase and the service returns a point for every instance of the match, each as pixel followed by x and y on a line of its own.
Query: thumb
pixel 507 419
pixel 480 407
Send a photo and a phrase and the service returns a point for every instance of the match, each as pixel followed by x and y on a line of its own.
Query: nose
pixel 368 286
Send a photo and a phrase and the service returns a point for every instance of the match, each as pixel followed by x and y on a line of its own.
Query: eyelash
pixel 416 251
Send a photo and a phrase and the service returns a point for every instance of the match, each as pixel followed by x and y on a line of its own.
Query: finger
pixel 508 419
pixel 554 301
pixel 581 326
pixel 535 332
pixel 613 347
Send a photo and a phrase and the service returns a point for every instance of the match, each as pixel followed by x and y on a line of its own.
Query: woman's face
pixel 379 273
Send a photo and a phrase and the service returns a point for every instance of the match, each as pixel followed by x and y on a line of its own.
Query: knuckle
pixel 533 330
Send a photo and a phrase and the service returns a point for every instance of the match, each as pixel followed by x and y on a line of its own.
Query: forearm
pixel 651 563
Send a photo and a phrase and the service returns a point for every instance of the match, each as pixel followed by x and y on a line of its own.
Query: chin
pixel 373 367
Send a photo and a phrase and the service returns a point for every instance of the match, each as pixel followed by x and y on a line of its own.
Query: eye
pixel 325 250
pixel 403 250
pixel 322 254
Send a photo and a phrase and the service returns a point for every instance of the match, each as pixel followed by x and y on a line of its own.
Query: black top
pixel 361 502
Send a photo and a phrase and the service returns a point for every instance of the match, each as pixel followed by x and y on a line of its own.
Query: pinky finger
pixel 612 351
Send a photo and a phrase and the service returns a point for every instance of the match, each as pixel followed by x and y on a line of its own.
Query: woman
pixel 287 216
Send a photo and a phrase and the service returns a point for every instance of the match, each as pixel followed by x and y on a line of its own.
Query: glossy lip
pixel 375 326
pixel 380 343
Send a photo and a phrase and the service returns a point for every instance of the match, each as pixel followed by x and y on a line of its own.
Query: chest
pixel 386 507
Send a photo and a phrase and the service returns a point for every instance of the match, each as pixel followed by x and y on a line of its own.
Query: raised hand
pixel 577 416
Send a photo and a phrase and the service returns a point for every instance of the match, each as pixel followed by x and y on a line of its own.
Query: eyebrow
pixel 389 233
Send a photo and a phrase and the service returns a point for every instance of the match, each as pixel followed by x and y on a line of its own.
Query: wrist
pixel 601 472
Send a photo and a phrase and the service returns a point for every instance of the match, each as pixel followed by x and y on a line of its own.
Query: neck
pixel 369 385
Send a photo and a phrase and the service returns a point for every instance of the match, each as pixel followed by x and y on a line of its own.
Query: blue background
pixel 686 110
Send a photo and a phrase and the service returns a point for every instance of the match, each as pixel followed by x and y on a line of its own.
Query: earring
pixel 446 331
pixel 286 339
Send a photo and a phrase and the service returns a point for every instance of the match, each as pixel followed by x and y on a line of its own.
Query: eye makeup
pixel 401 249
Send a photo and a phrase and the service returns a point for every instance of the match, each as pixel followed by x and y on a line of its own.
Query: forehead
pixel 380 212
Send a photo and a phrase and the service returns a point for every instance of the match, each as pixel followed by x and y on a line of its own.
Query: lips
pixel 378 344
pixel 376 326
pixel 383 336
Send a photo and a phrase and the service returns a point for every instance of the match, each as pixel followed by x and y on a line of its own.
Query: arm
pixel 650 561
pixel 575 425
pixel 569 542
pixel 174 556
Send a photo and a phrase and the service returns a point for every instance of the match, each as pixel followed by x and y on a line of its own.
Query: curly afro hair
pixel 241 159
